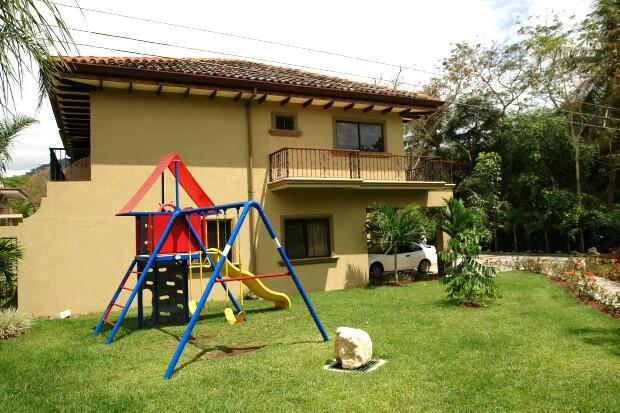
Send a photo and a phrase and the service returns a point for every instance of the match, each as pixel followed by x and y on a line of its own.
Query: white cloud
pixel 402 32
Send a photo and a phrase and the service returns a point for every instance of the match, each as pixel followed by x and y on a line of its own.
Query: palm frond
pixel 31 30
pixel 9 130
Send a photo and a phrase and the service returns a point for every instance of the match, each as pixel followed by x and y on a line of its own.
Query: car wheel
pixel 376 270
pixel 424 266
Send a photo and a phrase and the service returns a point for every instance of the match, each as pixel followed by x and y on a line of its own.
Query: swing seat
pixel 191 306
pixel 231 318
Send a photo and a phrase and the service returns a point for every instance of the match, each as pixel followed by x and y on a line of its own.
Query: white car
pixel 412 256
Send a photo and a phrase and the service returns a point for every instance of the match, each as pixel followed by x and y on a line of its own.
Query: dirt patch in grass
pixel 225 351
pixel 587 300
pixel 194 338
pixel 404 278
pixel 472 305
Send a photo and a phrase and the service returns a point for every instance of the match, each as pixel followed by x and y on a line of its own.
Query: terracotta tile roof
pixel 244 70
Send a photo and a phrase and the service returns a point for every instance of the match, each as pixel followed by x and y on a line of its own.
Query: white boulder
pixel 352 347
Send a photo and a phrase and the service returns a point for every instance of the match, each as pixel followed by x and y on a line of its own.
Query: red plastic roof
pixel 186 180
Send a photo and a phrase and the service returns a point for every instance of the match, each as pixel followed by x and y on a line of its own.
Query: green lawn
pixel 536 349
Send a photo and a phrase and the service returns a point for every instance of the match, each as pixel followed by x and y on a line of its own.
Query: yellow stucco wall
pixel 77 249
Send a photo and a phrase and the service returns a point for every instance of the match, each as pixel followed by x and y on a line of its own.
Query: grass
pixel 536 349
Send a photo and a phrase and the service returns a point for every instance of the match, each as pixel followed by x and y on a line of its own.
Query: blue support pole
pixel 143 275
pixel 204 250
pixel 290 269
pixel 140 303
pixel 205 294
pixel 114 297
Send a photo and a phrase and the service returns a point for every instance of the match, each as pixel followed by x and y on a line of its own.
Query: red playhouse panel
pixel 150 228
pixel 179 240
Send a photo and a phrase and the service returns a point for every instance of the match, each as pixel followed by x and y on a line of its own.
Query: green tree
pixel 389 227
pixel 600 37
pixel 536 153
pixel 561 213
pixel 512 218
pixel 466 279
pixel 483 188
pixel 455 218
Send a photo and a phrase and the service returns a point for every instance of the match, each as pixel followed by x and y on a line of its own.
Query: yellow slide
pixel 281 300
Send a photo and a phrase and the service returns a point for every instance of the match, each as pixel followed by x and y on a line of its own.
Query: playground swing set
pixel 172 242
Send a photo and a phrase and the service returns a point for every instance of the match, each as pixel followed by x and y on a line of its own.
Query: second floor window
pixel 359 136
pixel 283 121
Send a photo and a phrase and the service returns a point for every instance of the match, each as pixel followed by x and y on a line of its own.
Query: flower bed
pixel 606 267
pixel 579 275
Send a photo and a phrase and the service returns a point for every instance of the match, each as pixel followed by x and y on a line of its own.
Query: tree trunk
pixel 546 241
pixel 495 240
pixel 611 188
pixel 582 247
pixel 514 238
pixel 396 265
pixel 576 142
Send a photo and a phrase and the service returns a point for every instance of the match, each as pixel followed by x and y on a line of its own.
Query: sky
pixel 414 33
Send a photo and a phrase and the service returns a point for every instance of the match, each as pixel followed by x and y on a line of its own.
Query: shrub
pixel 10 254
pixel 14 323
pixel 468 281
pixel 529 264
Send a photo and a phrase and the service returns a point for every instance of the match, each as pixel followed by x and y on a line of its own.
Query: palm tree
pixel 456 218
pixel 389 228
pixel 30 29
pixel 9 130
pixel 512 218
pixel 532 222
pixel 10 254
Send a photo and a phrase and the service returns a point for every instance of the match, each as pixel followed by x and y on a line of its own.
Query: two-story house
pixel 316 151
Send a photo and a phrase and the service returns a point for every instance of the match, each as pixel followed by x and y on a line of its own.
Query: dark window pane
pixel 359 136
pixel 371 137
pixel 285 122
pixel 294 234
pixel 307 238
pixel 415 247
pixel 347 135
pixel 318 237
pixel 404 248
pixel 225 229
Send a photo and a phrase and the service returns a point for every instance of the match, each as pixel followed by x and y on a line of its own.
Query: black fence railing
pixel 369 166
pixel 69 165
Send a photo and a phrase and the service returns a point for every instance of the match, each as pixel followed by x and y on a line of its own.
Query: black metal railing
pixel 69 165
pixel 368 166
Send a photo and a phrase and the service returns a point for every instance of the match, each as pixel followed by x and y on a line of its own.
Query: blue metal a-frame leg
pixel 216 274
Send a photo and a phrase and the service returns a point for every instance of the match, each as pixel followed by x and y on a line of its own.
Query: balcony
pixel 69 165
pixel 305 167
